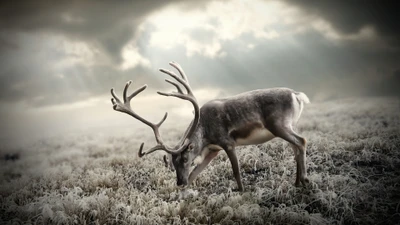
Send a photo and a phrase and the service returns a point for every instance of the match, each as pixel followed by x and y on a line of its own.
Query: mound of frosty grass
pixel 353 160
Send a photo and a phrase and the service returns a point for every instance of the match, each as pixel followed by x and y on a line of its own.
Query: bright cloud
pixel 222 21
pixel 132 57
pixel 219 21
pixel 76 52
pixel 325 28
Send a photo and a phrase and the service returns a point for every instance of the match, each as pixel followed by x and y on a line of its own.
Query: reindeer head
pixel 182 163
pixel 182 153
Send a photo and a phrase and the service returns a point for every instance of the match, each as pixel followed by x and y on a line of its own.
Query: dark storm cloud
pixel 103 23
pixel 109 24
pixel 106 25
pixel 351 15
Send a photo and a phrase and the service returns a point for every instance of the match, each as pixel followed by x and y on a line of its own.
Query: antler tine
pixel 162 120
pixel 117 104
pixel 115 98
pixel 126 90
pixel 175 84
pixel 136 92
pixel 159 147
pixel 180 80
pixel 180 70
pixel 141 154
pixel 178 95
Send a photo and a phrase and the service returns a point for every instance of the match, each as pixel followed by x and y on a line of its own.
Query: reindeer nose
pixel 179 183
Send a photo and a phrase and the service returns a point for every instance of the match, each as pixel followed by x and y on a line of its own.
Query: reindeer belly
pixel 251 133
pixel 257 136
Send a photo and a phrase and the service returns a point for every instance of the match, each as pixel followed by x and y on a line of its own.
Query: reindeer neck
pixel 198 139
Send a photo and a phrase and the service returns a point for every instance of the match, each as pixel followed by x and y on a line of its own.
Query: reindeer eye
pixel 189 148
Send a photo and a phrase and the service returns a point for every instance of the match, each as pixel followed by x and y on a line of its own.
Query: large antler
pixel 180 94
pixel 125 107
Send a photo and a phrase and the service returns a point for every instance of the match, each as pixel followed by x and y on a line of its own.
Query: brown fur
pixel 245 131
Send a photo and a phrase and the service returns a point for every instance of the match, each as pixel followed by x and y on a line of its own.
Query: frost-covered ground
pixel 353 163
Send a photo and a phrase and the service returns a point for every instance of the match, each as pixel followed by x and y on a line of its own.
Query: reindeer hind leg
pixel 298 144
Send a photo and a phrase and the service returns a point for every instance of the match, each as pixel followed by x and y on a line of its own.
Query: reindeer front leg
pixel 200 167
pixel 235 166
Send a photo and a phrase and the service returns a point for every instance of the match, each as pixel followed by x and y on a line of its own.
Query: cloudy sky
pixel 58 61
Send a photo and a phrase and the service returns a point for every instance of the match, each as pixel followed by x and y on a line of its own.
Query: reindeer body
pixel 249 118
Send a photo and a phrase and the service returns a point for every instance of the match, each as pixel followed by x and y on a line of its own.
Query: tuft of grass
pixel 353 159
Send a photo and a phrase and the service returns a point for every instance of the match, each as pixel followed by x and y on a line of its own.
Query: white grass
pixel 353 160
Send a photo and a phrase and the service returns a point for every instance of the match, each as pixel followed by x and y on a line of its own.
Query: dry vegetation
pixel 353 164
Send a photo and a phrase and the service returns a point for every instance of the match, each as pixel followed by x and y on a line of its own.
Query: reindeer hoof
pixel 238 190
pixel 302 182
pixel 305 181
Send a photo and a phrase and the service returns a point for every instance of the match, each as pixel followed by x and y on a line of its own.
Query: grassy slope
pixel 353 163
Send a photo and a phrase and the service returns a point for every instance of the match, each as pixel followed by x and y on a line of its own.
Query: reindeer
pixel 249 118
